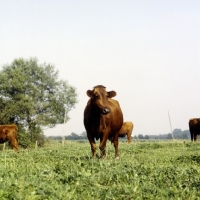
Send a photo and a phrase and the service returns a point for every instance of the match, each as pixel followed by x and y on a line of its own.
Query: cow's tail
pixel 16 127
pixel 16 136
pixel 16 130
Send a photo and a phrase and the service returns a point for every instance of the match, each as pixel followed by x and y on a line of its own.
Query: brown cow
pixel 9 133
pixel 102 117
pixel 126 129
pixel 194 126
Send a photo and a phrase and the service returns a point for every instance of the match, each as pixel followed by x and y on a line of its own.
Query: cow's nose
pixel 106 110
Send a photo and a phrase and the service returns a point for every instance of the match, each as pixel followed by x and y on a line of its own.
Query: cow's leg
pixel 14 143
pixel 111 138
pixel 102 146
pixel 192 136
pixel 116 145
pixel 11 136
pixel 129 137
pixel 195 137
pixel 93 146
pixel 129 134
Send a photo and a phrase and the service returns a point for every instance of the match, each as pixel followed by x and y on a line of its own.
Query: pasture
pixel 145 170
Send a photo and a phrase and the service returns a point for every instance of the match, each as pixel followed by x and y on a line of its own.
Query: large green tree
pixel 32 96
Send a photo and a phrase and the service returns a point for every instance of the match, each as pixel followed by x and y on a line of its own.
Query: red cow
pixel 126 130
pixel 102 118
pixel 194 126
pixel 9 133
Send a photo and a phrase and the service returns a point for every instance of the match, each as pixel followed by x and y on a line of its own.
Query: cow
pixel 194 127
pixel 9 133
pixel 126 130
pixel 103 117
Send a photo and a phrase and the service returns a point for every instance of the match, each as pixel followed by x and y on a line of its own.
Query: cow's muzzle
pixel 105 111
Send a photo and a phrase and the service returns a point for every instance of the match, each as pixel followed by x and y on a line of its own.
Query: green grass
pixel 145 170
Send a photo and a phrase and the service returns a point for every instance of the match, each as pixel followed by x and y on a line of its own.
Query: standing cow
pixel 102 117
pixel 9 133
pixel 194 126
pixel 126 130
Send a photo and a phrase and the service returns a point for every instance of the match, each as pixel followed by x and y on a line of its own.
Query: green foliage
pixel 23 137
pixel 145 170
pixel 32 95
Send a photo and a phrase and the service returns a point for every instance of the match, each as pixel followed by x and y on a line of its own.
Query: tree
pixel 32 95
pixel 179 134
pixel 83 134
pixel 75 136
pixel 168 136
pixel 186 134
pixel 140 136
pixel 146 137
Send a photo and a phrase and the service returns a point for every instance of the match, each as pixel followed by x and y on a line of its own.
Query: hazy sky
pixel 148 51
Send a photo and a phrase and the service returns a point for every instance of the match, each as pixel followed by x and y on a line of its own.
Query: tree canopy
pixel 31 94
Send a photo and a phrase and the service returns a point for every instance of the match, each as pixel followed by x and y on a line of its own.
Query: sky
pixel 148 51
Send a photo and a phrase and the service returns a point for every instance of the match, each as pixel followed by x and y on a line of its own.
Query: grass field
pixel 145 170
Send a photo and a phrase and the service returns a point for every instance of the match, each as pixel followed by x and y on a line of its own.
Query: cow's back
pixel 194 124
pixel 126 127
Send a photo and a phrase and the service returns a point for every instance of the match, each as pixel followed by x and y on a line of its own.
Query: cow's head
pixel 99 98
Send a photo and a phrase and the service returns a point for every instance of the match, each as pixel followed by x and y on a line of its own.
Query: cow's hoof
pixel 117 157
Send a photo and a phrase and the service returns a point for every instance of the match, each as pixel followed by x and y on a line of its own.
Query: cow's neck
pixel 96 117
pixel 95 111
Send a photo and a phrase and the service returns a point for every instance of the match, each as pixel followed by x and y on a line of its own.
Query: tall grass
pixel 145 170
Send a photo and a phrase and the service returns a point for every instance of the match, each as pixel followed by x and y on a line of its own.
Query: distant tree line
pixel 73 136
pixel 177 133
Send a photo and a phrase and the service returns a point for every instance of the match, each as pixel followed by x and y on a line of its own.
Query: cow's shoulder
pixel 194 121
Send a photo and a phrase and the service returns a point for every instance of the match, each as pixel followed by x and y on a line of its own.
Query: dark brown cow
pixel 9 133
pixel 126 130
pixel 194 126
pixel 102 117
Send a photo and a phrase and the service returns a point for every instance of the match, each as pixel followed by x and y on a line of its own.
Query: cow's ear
pixel 89 93
pixel 111 94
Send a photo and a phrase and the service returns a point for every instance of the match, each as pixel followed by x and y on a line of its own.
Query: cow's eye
pixel 97 96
